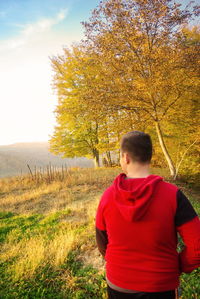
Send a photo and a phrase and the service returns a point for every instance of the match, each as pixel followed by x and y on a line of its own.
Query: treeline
pixel 136 69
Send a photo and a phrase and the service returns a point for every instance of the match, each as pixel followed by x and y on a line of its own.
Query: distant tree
pixel 75 137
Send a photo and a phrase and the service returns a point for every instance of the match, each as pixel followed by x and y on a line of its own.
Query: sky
pixel 32 31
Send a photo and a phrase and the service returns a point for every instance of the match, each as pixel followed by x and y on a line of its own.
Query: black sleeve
pixel 102 240
pixel 185 211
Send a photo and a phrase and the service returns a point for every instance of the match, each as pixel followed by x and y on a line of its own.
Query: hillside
pixel 14 158
pixel 48 247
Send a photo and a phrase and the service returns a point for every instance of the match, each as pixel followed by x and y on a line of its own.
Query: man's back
pixel 140 217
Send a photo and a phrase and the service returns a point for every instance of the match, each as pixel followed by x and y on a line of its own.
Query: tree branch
pixel 178 166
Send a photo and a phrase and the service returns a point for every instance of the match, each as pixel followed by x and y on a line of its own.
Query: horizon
pixel 23 142
pixel 32 32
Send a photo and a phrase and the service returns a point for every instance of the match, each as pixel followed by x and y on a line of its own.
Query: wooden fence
pixel 48 173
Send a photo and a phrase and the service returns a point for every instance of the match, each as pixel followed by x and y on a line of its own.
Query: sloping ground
pixel 47 235
pixel 14 158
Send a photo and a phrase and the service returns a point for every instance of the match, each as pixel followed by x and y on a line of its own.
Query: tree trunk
pixel 108 155
pixel 96 158
pixel 165 151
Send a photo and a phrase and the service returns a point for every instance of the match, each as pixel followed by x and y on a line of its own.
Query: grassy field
pixel 48 247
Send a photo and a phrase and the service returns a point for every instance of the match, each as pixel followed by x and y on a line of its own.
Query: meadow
pixel 48 247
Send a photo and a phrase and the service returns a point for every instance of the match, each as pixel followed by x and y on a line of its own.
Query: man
pixel 137 222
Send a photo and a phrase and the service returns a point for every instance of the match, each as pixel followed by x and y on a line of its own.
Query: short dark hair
pixel 138 145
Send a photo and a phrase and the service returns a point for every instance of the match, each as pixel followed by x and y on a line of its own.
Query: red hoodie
pixel 139 216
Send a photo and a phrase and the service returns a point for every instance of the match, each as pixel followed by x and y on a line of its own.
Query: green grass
pixel 69 278
pixel 48 247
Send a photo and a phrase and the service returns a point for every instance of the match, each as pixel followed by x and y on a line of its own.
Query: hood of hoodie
pixel 133 196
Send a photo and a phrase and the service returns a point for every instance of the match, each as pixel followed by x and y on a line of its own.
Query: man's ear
pixel 127 158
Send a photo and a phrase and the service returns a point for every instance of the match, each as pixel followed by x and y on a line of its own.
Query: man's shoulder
pixel 168 186
pixel 108 192
pixel 107 195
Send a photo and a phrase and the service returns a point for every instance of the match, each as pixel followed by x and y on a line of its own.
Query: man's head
pixel 135 147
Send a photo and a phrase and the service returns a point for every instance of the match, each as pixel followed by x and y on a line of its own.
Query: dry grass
pixel 29 198
pixel 36 252
pixel 75 199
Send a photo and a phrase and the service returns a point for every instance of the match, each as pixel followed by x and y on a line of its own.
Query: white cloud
pixel 32 31
pixel 44 24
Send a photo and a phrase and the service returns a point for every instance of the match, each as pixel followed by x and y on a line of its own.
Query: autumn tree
pixel 182 123
pixel 140 47
pixel 82 129
pixel 76 133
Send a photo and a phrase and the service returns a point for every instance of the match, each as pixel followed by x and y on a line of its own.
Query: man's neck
pixel 130 176
pixel 138 172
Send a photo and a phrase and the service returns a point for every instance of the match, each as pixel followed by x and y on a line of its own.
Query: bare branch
pixel 179 164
